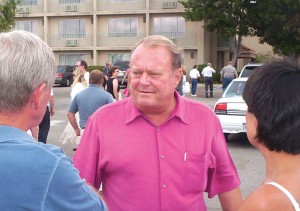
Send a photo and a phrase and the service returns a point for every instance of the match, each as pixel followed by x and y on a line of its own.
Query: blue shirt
pixel 37 176
pixel 88 101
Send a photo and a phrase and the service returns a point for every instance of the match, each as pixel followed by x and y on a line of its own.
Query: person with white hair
pixel 34 176
pixel 207 73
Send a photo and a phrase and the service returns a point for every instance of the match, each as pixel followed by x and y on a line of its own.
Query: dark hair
pixel 112 70
pixel 96 77
pixel 84 63
pixel 195 66
pixel 272 94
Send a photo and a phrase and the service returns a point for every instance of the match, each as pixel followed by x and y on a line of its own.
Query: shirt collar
pixel 13 133
pixel 180 110
pixel 94 85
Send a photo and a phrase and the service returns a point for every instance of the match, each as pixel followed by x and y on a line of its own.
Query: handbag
pixel 186 88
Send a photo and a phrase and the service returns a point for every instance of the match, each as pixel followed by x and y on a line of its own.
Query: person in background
pixel 180 86
pixel 88 101
pixel 82 65
pixel 78 85
pixel 34 176
pixel 44 125
pixel 207 73
pixel 228 73
pixel 160 151
pixel 105 71
pixel 272 94
pixel 194 75
pixel 112 84
pixel 183 69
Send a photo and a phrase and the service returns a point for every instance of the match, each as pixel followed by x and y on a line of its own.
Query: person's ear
pixel 39 96
pixel 178 75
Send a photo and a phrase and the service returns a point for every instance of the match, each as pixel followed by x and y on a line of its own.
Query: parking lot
pixel 248 160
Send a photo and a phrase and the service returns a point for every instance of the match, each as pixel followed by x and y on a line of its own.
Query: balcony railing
pixel 166 4
pixel 116 5
pixel 71 6
pixel 112 41
pixel 70 40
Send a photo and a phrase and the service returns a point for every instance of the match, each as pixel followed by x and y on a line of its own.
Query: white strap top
pixel 288 194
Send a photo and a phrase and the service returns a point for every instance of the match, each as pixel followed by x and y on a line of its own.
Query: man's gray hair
pixel 25 63
pixel 159 40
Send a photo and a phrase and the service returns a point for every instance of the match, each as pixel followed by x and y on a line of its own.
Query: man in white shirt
pixel 83 66
pixel 207 74
pixel 194 75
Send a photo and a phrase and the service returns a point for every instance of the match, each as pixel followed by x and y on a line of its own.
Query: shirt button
pixel 164 185
pixel 158 129
pixel 162 156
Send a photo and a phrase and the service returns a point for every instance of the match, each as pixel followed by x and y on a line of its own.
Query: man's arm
pixel 73 122
pixel 231 200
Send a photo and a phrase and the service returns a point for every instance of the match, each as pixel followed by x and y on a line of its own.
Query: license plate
pixel 244 127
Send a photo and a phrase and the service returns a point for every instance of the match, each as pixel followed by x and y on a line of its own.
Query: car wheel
pixel 226 135
pixel 68 82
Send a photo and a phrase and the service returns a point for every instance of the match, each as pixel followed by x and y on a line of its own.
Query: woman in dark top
pixel 112 85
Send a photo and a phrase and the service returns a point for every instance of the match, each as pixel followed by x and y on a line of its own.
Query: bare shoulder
pixel 266 198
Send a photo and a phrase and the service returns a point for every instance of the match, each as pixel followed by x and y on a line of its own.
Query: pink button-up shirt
pixel 145 167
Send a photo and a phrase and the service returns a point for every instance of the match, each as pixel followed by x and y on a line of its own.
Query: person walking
pixel 112 84
pixel 105 71
pixel 207 74
pixel 228 73
pixel 34 176
pixel 156 150
pixel 82 65
pixel 44 125
pixel 88 101
pixel 194 75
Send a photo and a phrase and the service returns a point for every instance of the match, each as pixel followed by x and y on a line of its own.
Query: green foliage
pixel 228 17
pixel 277 22
pixel 263 58
pixel 97 67
pixel 7 14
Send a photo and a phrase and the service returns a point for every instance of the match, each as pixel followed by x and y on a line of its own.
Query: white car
pixel 231 108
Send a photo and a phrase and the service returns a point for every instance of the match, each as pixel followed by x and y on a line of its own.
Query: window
pixel 122 27
pixel 113 57
pixel 72 28
pixel 70 59
pixel 30 26
pixel 70 1
pixel 28 2
pixel 169 26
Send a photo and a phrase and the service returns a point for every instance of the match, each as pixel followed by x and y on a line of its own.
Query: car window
pixel 60 69
pixel 236 88
pixel 247 71
pixel 122 65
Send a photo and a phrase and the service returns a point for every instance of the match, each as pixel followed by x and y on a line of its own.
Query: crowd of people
pixel 168 150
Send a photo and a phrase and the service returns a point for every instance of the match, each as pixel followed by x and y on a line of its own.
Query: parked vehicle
pixel 122 66
pixel 248 70
pixel 231 108
pixel 64 75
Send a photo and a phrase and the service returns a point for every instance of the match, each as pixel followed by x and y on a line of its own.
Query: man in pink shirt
pixel 156 150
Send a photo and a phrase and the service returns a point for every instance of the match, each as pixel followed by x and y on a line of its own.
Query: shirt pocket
pixel 195 173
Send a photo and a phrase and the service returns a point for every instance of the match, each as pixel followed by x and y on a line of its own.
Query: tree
pixel 277 22
pixel 7 14
pixel 228 17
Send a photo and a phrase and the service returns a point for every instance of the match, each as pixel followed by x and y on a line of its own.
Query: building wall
pixel 96 46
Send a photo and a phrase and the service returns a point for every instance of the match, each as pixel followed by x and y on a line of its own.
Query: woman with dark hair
pixel 112 84
pixel 272 94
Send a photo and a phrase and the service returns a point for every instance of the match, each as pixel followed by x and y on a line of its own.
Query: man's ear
pixel 178 75
pixel 39 95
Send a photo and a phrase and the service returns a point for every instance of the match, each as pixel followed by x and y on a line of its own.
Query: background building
pixel 101 30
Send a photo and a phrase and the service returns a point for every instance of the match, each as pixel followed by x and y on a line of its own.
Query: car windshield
pixel 122 65
pixel 235 88
pixel 60 69
pixel 248 71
